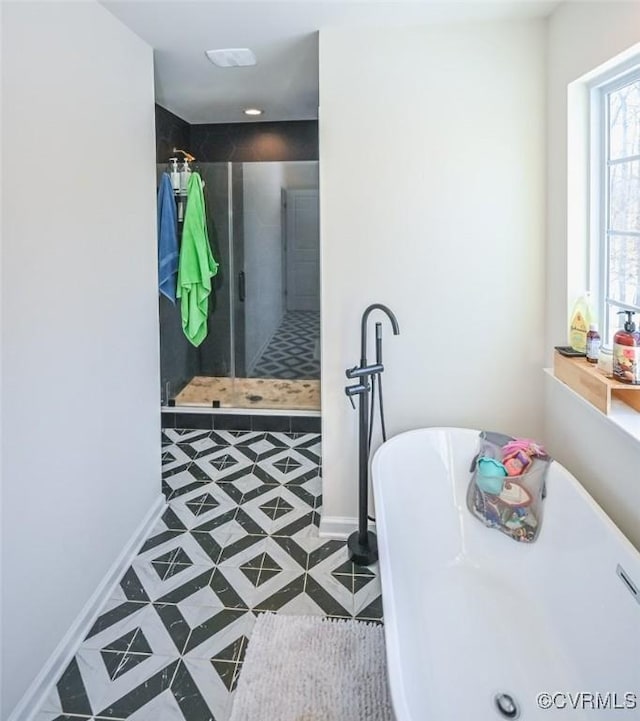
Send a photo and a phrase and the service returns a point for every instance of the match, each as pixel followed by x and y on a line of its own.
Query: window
pixel 615 265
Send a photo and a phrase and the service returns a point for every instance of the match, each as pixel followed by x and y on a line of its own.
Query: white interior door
pixel 302 251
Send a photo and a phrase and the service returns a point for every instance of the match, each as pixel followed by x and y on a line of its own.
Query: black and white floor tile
pixel 239 537
pixel 293 352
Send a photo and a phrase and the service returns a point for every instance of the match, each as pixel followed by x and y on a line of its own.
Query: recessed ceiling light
pixel 231 57
pixel 253 111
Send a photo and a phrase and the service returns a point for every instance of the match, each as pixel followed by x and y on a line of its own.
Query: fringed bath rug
pixel 306 668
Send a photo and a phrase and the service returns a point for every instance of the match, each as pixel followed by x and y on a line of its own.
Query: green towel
pixel 197 265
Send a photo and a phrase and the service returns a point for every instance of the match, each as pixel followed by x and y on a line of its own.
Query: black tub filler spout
pixel 362 544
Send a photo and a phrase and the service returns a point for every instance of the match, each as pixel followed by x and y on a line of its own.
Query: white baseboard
pixel 42 685
pixel 337 526
pixel 340 527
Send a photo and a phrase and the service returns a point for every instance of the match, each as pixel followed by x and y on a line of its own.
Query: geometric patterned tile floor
pixel 239 537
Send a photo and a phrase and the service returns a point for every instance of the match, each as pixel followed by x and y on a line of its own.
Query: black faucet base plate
pixel 363 554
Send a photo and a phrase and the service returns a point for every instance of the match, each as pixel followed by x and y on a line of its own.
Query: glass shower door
pixel 276 255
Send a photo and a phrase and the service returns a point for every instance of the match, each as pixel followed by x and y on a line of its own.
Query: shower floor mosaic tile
pixel 239 537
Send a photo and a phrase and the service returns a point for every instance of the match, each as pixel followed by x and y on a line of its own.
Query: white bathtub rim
pixel 582 491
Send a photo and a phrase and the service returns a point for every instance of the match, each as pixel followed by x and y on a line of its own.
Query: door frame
pixel 285 244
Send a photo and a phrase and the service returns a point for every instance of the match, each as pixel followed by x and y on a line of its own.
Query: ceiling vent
pixel 231 57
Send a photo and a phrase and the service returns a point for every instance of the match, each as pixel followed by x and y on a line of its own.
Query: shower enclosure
pixel 262 348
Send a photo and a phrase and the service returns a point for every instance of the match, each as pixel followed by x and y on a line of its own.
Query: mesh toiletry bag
pixel 508 485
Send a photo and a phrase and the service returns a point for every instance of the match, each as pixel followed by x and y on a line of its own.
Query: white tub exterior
pixel 470 613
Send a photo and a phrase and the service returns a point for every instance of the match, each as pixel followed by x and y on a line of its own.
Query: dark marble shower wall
pixel 171 132
pixel 255 142
pixel 236 142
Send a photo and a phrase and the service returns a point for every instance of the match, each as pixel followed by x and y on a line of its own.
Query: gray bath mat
pixel 304 668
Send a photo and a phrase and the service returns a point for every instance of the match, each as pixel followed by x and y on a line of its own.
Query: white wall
pixel 262 255
pixel 602 456
pixel 582 36
pixel 80 415
pixel 431 188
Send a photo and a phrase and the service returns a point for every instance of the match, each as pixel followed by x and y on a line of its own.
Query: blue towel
pixel 168 253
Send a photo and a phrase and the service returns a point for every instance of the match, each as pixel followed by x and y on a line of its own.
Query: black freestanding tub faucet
pixel 362 544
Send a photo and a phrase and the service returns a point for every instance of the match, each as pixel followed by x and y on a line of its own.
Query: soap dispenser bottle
pixel 185 173
pixel 175 174
pixel 626 351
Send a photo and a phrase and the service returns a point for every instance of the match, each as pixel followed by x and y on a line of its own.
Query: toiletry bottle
pixel 185 172
pixel 605 362
pixel 579 326
pixel 175 174
pixel 626 351
pixel 593 344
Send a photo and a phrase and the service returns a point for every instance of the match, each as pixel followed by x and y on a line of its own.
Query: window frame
pixel 599 172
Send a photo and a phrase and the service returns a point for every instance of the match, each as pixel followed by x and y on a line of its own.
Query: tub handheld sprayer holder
pixel 362 544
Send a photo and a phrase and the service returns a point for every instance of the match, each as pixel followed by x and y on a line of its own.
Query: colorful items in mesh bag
pixel 508 485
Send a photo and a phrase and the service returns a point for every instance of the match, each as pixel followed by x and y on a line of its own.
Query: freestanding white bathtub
pixel 470 614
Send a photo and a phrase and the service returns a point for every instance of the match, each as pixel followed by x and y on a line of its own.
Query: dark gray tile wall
pixel 171 132
pixel 253 142
pixel 242 422
pixel 236 142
